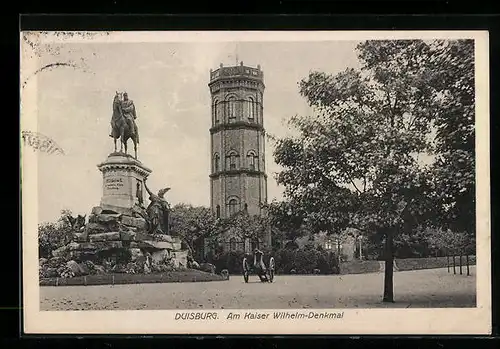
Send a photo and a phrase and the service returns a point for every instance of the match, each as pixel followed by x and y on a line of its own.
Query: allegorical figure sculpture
pixel 158 212
pixel 123 123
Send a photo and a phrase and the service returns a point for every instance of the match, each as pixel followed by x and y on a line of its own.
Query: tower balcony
pixel 238 125
pixel 237 72
pixel 240 171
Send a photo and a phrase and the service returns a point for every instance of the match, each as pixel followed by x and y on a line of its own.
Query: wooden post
pixel 454 264
pixel 460 262
pixel 448 262
pixel 360 248
pixel 467 261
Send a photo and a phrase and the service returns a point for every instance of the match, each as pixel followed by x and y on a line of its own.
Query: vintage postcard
pixel 329 182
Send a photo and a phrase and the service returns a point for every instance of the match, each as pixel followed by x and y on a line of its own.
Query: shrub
pixel 305 260
pixel 228 260
pixel 52 236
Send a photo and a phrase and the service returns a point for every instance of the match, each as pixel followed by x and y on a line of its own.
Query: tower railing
pixel 236 71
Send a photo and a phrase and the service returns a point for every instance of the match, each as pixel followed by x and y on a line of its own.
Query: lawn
pixel 407 264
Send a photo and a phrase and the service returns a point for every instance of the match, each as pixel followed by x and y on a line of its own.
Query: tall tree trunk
pixel 338 252
pixel 448 262
pixel 460 263
pixel 467 262
pixel 389 268
pixel 454 264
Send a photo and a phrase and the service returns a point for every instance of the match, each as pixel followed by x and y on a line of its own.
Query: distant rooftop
pixel 238 70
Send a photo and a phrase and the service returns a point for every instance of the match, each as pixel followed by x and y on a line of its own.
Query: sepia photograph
pixel 255 182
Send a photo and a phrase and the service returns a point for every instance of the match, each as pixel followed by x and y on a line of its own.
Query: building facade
pixel 238 180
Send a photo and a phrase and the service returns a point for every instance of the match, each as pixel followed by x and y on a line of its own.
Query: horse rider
pixel 126 109
pixel 129 113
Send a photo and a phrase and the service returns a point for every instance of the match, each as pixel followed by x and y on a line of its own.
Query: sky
pixel 168 83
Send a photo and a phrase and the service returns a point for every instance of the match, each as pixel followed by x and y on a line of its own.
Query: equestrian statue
pixel 123 124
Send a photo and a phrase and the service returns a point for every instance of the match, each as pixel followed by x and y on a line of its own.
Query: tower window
pixel 233 206
pixel 251 109
pixel 216 112
pixel 232 160
pixel 216 163
pixel 252 160
pixel 231 109
pixel 217 211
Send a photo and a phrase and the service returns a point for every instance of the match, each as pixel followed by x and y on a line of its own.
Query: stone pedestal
pixel 123 182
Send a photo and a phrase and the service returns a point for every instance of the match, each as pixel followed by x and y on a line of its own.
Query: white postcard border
pixel 354 321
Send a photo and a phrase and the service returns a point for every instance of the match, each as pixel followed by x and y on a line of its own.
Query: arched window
pixel 216 162
pixel 231 109
pixel 232 244
pixel 217 211
pixel 252 160
pixel 232 160
pixel 251 109
pixel 233 206
pixel 216 111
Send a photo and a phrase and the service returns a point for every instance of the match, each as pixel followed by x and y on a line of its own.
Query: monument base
pixel 108 234
pixel 123 182
pixel 120 224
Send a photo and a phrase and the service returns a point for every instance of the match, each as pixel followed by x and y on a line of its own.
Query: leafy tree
pixel 52 235
pixel 243 225
pixel 286 220
pixel 452 243
pixel 455 147
pixel 358 161
pixel 192 223
pixel 415 244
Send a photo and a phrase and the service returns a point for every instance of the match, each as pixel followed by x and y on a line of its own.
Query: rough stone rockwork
pixel 109 235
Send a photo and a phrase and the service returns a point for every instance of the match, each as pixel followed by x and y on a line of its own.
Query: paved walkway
pixel 416 289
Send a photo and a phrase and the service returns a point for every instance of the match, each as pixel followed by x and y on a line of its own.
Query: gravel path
pixel 416 289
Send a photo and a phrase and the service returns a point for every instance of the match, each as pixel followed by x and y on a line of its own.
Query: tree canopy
pixel 387 144
pixel 192 223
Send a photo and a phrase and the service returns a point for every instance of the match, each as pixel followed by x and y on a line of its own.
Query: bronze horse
pixel 120 128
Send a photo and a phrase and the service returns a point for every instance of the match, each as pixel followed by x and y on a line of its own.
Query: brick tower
pixel 238 179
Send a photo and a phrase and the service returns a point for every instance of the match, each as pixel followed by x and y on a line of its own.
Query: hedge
pixel 305 261
pixel 302 261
